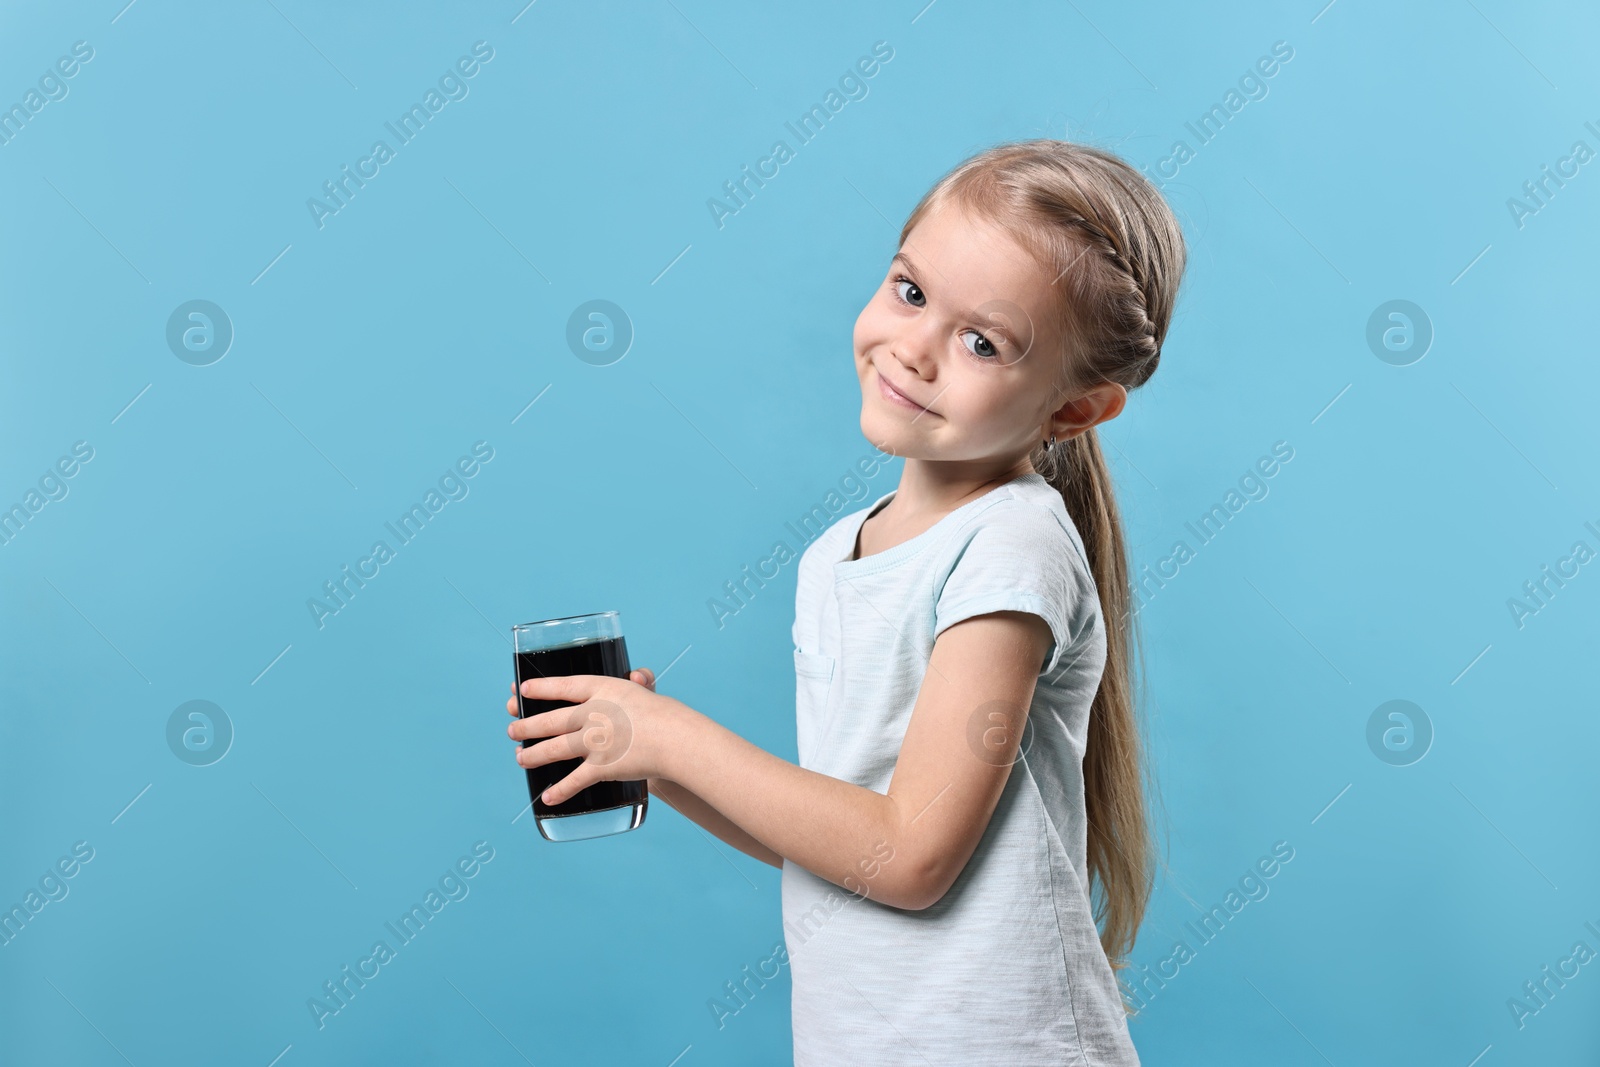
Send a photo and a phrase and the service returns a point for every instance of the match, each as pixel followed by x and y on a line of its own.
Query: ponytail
pixel 1119 843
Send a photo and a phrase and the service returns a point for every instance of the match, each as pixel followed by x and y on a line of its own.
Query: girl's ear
pixel 1096 405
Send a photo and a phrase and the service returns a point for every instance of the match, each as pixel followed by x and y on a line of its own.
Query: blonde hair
pixel 1116 254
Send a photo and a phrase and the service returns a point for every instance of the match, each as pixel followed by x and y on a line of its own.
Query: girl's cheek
pixel 860 337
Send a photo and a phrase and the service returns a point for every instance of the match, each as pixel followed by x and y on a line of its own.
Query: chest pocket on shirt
pixel 813 678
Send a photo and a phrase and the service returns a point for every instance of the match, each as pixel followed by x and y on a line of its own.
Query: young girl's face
pixel 961 327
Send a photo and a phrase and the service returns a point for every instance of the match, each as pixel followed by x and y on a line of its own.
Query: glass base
pixel 592 824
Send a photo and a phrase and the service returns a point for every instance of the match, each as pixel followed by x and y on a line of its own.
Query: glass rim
pixel 565 618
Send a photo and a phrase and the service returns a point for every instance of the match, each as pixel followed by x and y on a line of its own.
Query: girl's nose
pixel 917 349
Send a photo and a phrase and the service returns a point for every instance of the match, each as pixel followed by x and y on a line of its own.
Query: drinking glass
pixel 577 644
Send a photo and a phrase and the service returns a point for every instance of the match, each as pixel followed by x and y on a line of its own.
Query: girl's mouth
pixel 894 396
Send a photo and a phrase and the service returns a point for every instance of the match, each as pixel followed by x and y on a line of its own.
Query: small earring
pixel 1050 443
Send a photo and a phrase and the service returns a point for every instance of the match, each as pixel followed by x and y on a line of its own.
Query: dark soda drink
pixel 583 644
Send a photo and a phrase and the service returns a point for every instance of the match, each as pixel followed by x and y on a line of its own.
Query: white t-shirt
pixel 1007 966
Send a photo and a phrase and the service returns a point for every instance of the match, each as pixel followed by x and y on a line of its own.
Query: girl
pixel 969 755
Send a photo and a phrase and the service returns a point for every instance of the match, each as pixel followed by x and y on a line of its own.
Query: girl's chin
pixel 888 436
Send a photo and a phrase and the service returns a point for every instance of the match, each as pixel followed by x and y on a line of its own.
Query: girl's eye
pixel 917 299
pixel 983 348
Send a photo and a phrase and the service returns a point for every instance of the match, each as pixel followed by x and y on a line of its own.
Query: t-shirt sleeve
pixel 1016 561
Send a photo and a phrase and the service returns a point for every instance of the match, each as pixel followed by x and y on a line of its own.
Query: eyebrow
pixel 905 260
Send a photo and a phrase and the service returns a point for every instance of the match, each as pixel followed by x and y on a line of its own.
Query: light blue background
pixel 429 312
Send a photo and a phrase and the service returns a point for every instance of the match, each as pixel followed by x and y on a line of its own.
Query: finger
pixel 580 779
pixel 546 724
pixel 552 750
pixel 575 688
pixel 644 677
pixel 511 705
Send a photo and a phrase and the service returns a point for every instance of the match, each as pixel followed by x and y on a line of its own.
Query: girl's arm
pixel 697 810
pixel 694 808
pixel 904 848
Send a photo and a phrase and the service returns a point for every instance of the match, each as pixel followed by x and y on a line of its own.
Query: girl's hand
pixel 621 729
